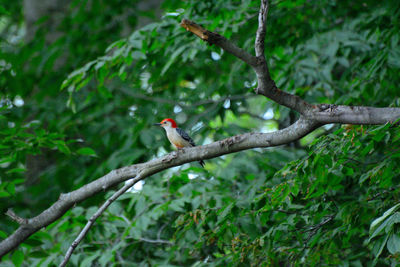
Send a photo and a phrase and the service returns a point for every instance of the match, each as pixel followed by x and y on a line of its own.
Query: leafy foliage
pixel 331 199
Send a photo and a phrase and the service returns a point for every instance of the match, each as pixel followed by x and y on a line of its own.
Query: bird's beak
pixel 157 124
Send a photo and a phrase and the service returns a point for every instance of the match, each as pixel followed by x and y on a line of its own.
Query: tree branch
pixel 215 38
pixel 262 28
pixel 10 213
pixel 92 219
pixel 226 146
pixel 266 86
pixel 320 113
pixel 354 114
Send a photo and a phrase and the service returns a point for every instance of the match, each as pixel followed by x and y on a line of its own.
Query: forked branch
pixel 319 113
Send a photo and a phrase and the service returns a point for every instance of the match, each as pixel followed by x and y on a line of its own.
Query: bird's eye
pixel 165 122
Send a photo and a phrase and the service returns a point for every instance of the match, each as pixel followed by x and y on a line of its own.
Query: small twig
pixel 92 219
pixel 160 230
pixel 381 193
pixel 364 163
pixel 313 230
pixel 128 222
pixel 119 256
pixel 10 213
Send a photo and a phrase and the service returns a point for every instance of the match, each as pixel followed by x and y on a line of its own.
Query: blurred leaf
pixel 17 258
pixel 87 151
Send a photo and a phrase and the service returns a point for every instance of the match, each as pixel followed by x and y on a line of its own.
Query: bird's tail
pixel 202 163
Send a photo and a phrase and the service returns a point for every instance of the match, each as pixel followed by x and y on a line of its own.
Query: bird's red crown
pixel 173 123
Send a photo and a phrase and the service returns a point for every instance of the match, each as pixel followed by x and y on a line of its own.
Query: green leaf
pixel 378 224
pixel 378 248
pixel 10 187
pixel 63 148
pixel 16 170
pixel 138 55
pixel 88 260
pixel 4 193
pixel 17 258
pixel 39 254
pixel 3 235
pixel 393 244
pixel 104 91
pixel 71 103
pixel 172 58
pixel 177 204
pixel 225 212
pixel 368 149
pixel 86 151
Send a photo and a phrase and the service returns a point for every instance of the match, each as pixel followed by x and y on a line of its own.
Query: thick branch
pixel 354 114
pixel 266 86
pixel 226 146
pixel 215 38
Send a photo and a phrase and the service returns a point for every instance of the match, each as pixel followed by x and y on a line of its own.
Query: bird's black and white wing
pixel 185 136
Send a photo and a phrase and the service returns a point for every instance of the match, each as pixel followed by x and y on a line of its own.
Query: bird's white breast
pixel 175 138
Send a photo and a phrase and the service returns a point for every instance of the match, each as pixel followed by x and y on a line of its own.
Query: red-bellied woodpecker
pixel 176 135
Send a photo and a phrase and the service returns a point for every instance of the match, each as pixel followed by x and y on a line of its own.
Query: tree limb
pixel 320 113
pixel 219 40
pixel 354 114
pixel 266 86
pixel 226 146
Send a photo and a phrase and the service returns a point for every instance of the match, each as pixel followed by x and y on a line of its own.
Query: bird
pixel 178 137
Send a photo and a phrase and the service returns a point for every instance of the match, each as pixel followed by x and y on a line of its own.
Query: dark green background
pixel 298 204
